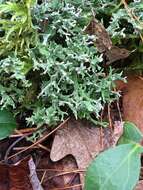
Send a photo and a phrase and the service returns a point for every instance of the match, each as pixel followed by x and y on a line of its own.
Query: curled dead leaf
pixel 103 42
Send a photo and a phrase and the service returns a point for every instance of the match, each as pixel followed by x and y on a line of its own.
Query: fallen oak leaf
pixel 70 179
pixel 71 176
pixel 139 185
pixel 133 101
pixel 103 42
pixel 83 141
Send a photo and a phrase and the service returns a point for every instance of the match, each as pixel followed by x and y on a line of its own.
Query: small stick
pixel 132 16
pixel 35 147
pixel 120 115
pixel 36 185
pixel 43 147
pixel 69 187
pixel 42 179
pixel 26 130
pixel 109 117
pixel 58 170
pixel 40 140
pixel 65 173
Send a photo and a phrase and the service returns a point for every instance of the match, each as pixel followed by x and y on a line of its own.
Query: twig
pixel 11 146
pixel 119 111
pixel 26 130
pixel 23 136
pixel 101 137
pixel 35 147
pixel 65 173
pixel 130 12
pixel 40 140
pixel 43 176
pixel 69 187
pixel 36 185
pixel 109 117
pixel 58 170
pixel 133 16
pixel 44 147
pixel 118 108
pixel 101 129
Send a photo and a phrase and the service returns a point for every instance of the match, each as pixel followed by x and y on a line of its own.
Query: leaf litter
pixel 103 42
pixel 15 176
pixel 78 142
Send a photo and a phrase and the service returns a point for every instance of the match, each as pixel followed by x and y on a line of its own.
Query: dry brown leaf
pixel 120 85
pixel 19 176
pixel 104 43
pixel 133 101
pixel 54 175
pixel 115 54
pixel 71 179
pixel 139 185
pixel 84 141
pixel 15 177
pixel 4 179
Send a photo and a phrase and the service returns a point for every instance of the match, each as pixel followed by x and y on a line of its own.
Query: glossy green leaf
pixel 115 169
pixel 131 134
pixel 7 123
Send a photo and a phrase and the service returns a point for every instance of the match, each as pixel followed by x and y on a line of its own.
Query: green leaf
pixel 7 123
pixel 131 134
pixel 115 169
